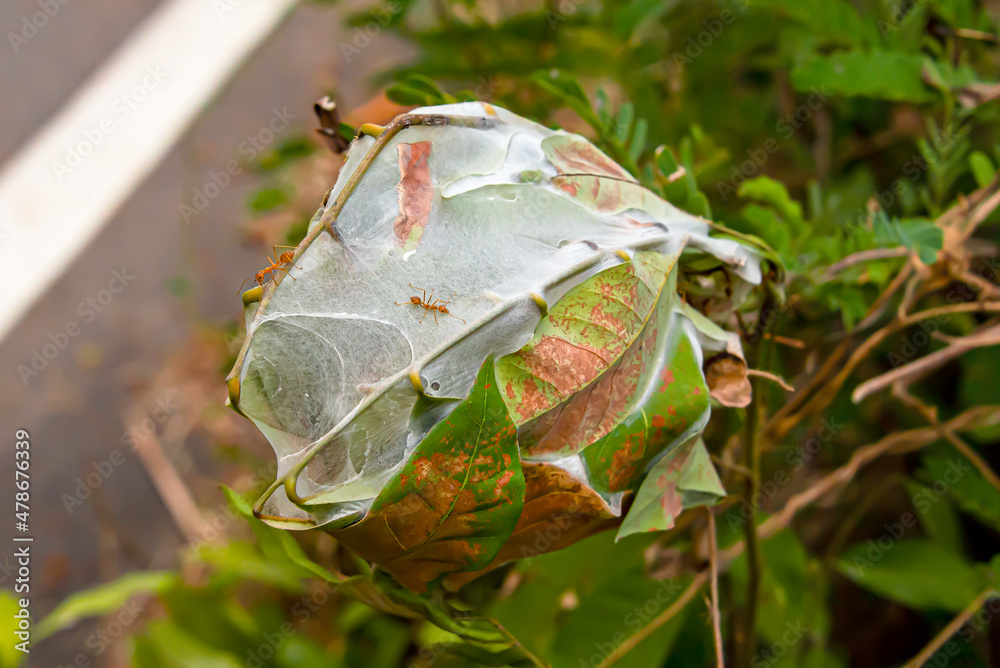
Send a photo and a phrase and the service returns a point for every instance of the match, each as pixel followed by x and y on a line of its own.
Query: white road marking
pixel 75 172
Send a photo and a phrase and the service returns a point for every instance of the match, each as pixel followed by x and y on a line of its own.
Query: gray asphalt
pixel 73 407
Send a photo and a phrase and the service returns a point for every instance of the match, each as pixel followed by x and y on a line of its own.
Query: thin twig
pixel 947 632
pixel 171 487
pixel 969 33
pixel 917 369
pixel 878 308
pixel 746 637
pixel 900 442
pixel 862 256
pixel 832 386
pixel 657 622
pixel 974 457
pixel 833 360
pixel 785 340
pixel 713 565
pixel 785 385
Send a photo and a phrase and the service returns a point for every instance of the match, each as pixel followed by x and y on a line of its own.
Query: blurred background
pixel 149 362
pixel 828 128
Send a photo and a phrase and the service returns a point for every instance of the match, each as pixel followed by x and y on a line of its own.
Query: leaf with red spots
pixel 671 406
pixel 573 154
pixel 456 500
pixel 416 194
pixel 578 377
pixel 559 510
pixel 605 194
pixel 683 478
pixel 593 179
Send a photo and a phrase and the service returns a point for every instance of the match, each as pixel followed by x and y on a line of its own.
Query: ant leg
pixel 435 317
pixel 423 291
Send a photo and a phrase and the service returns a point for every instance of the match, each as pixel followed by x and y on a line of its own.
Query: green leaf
pixel 632 600
pixel 457 498
pixel 623 127
pixel 104 599
pixel 875 74
pixel 290 150
pixel 278 545
pixel 832 21
pixel 637 144
pixel 768 191
pixel 214 617
pixel 921 236
pixel 683 478
pixel 971 491
pixel 982 168
pixel 567 88
pixel 241 560
pixel 268 199
pixel 593 325
pixel 420 90
pixel 633 14
pixel 165 645
pixel 670 406
pixel 937 516
pixel 919 574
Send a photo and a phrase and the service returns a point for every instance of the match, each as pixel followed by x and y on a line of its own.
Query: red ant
pixel 280 264
pixel 437 306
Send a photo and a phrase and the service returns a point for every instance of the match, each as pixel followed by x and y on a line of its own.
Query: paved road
pixel 73 407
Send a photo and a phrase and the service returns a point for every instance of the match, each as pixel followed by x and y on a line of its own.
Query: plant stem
pixel 713 564
pixel 747 639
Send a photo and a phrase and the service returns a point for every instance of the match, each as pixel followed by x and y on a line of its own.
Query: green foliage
pixel 973 495
pixel 103 599
pixel 920 574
